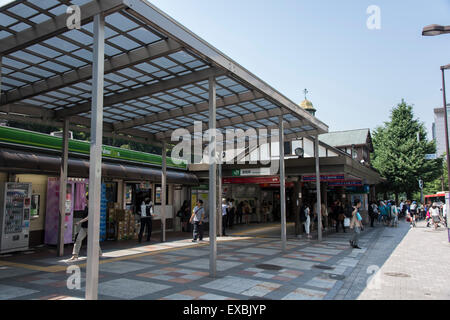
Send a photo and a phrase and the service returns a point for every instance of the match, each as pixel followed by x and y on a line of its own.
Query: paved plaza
pixel 411 264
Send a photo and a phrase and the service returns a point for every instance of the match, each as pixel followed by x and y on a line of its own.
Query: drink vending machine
pixel 15 215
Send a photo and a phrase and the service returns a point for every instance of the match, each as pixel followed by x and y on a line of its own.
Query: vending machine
pixel 15 203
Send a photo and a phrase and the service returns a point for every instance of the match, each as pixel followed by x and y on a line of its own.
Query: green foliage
pixel 399 156
pixel 440 183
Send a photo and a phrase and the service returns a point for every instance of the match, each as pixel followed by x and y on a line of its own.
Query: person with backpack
pixel 146 219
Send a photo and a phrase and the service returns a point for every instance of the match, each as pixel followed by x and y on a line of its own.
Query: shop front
pixel 126 182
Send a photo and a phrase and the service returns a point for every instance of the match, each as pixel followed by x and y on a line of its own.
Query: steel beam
pixel 95 167
pixel 319 200
pixel 186 111
pixel 152 51
pixel 56 26
pixel 212 179
pixel 282 187
pixel 144 91
pixel 63 188
pixel 245 119
pixel 168 26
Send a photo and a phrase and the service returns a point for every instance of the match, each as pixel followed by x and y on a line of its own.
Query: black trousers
pixel 337 225
pixel 198 231
pixel 231 221
pixel 224 223
pixel 372 220
pixel 146 222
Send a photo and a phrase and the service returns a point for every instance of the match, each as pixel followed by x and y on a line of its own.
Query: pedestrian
pixel 146 219
pixel 197 218
pixel 435 215
pixel 247 212
pixel 394 213
pixel 373 213
pixel 231 213
pixel 82 234
pixel 239 212
pixel 184 214
pixel 356 224
pixel 307 220
pixel 413 210
pixel 324 211
pixel 225 209
pixel 340 217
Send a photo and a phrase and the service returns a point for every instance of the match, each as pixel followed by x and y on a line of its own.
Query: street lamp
pixel 435 30
pixel 443 68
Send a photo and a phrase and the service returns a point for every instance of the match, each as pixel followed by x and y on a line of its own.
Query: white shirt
pixel 198 212
pixel 435 212
pixel 224 209
pixel 445 210
pixel 143 210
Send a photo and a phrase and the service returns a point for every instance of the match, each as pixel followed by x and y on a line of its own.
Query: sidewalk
pixel 248 268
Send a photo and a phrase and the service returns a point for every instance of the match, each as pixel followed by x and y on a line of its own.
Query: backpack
pixel 349 212
pixel 302 214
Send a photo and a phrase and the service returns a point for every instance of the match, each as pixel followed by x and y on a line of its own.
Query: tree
pixel 440 183
pixel 400 148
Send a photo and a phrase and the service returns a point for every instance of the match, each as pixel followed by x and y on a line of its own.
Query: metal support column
pixel 282 186
pixel 319 200
pixel 95 164
pixel 163 192
pixel 219 200
pixel 63 188
pixel 212 178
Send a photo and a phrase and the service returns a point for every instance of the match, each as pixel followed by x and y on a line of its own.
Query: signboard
pixel 254 180
pixel 251 172
pixel 346 183
pixel 255 172
pixel 430 156
pixel 324 178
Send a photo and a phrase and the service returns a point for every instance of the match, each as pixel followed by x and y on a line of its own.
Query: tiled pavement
pixel 180 270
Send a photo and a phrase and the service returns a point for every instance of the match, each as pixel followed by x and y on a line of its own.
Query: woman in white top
pixel 435 215
pixel 307 213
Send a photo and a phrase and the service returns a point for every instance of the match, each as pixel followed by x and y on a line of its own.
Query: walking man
pixel 198 216
pixel 146 219
pixel 82 234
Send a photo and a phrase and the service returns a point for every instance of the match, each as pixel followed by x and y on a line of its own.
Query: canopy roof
pixel 156 73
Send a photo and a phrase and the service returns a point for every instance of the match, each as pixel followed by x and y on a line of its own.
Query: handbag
pixel 347 222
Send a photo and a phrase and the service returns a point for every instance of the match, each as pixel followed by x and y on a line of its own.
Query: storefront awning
pixel 16 161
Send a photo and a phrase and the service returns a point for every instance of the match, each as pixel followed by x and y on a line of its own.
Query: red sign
pixel 252 180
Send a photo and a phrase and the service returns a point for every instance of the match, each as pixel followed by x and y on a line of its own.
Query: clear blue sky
pixel 355 75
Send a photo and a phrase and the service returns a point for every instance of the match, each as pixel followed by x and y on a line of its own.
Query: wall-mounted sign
pixel 253 180
pixel 345 183
pixel 332 177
